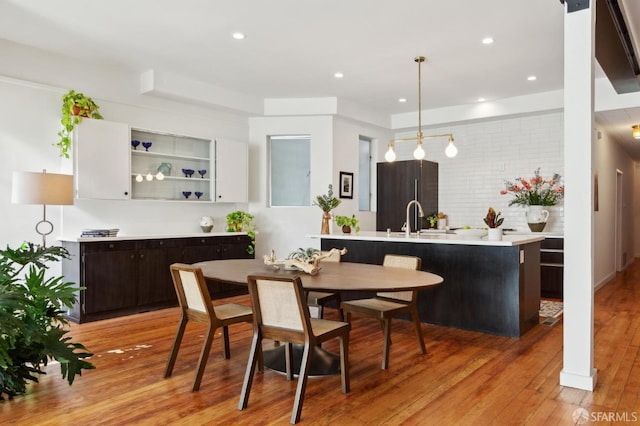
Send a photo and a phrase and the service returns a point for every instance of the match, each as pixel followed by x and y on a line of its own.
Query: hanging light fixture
pixel 419 153
pixel 636 131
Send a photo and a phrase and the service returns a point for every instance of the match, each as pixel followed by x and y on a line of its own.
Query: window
pixel 290 170
pixel 364 174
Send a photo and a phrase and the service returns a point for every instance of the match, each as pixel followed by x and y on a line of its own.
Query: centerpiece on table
pixel 326 202
pixel 535 193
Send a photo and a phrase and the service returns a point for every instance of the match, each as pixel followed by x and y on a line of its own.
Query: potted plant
pixel 493 221
pixel 346 223
pixel 75 106
pixel 326 202
pixel 31 308
pixel 433 220
pixel 240 221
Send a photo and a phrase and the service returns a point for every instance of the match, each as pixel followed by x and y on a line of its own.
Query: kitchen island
pixel 489 286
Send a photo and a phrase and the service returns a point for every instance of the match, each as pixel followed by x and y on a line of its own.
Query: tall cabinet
pixel 400 182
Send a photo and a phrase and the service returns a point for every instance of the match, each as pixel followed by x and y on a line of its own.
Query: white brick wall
pixel 489 153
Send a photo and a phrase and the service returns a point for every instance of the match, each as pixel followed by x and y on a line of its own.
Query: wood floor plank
pixel 466 378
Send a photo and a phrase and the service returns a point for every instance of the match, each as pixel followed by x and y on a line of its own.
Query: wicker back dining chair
pixel 195 305
pixel 281 314
pixel 384 306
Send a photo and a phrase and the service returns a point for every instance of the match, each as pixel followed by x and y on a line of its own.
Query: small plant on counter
pixel 433 220
pixel 31 321
pixel 240 221
pixel 493 219
pixel 75 106
pixel 347 223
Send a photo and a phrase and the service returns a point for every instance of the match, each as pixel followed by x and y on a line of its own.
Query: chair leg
pixel 173 355
pixel 338 302
pixel 344 363
pixel 225 338
pixel 302 383
pixel 288 349
pixel 386 325
pixel 204 356
pixel 416 322
pixel 256 343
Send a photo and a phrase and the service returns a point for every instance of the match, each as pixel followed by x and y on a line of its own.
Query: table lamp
pixel 42 188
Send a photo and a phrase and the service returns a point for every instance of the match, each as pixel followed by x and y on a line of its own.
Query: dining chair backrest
pixel 279 302
pixel 191 289
pixel 405 262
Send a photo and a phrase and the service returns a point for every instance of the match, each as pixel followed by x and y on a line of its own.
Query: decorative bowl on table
pixel 471 233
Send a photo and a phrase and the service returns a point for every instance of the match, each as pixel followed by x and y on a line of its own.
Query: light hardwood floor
pixel 466 378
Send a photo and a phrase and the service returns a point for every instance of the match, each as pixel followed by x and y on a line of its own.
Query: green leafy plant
pixel 304 254
pixel 433 220
pixel 327 202
pixel 31 321
pixel 493 219
pixel 75 106
pixel 350 222
pixel 240 221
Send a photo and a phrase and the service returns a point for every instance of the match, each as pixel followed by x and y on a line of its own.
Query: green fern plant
pixel 31 321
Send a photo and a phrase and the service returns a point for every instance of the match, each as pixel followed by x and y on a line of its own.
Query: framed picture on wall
pixel 346 185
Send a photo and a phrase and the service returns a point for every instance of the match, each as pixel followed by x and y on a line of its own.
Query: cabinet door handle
pixel 219 196
pixel 126 193
pixel 141 256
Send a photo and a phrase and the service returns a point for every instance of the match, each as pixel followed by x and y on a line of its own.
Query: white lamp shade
pixel 42 188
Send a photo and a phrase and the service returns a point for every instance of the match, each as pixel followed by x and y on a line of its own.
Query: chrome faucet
pixel 407 231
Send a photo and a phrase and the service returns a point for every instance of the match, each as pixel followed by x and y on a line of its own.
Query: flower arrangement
pixel 493 219
pixel 327 202
pixel 536 191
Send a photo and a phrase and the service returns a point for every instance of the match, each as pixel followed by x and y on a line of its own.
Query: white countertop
pixel 435 238
pixel 149 237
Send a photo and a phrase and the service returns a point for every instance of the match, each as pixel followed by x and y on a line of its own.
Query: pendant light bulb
pixel 636 131
pixel 149 177
pixel 160 176
pixel 139 178
pixel 390 155
pixel 451 150
pixel 419 154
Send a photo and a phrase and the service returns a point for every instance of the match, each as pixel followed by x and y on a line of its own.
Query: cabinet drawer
pixel 158 244
pixel 556 257
pixel 552 243
pixel 108 246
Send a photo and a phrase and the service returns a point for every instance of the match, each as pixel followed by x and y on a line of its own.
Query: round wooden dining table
pixel 333 277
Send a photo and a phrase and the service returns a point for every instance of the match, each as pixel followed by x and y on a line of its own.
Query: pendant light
pixel 636 131
pixel 419 152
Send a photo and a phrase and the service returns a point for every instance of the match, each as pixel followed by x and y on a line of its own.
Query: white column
pixel 579 49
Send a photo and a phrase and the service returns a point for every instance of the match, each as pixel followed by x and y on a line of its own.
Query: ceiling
pixel 293 47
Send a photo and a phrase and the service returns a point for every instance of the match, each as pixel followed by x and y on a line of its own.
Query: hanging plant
pixel 75 106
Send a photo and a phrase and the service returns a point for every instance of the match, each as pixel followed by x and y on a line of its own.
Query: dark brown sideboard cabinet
pixel 124 277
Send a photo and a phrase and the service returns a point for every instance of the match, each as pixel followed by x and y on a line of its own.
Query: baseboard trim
pixel 571 380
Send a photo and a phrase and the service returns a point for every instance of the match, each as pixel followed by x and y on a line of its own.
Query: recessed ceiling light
pixel 338 75
pixel 487 40
pixel 532 78
pixel 481 99
pixel 238 36
pixel 402 100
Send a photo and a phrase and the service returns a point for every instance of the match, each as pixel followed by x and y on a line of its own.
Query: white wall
pixel 608 160
pixel 490 152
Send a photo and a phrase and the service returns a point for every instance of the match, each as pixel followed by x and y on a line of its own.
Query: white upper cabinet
pixel 115 162
pixel 101 160
pixel 232 172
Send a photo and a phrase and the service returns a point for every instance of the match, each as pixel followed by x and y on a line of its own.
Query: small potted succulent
pixel 493 221
pixel 347 223
pixel 75 106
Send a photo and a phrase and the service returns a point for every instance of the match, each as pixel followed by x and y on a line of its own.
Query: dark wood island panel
pixel 487 288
